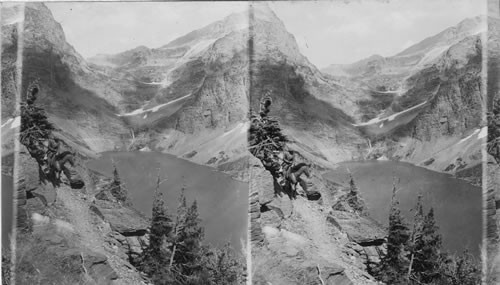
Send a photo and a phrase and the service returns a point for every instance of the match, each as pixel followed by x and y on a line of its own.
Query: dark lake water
pixel 457 204
pixel 222 201
pixel 7 208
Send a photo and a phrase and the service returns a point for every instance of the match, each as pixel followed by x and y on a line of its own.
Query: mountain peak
pixel 262 12
pixel 451 35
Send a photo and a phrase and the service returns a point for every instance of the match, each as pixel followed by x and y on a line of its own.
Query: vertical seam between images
pixel 250 89
pixel 18 97
pixel 484 178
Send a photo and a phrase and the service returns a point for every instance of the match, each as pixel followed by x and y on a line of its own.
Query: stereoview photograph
pixel 289 142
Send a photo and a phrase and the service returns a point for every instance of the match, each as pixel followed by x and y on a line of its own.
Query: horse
pixel 295 176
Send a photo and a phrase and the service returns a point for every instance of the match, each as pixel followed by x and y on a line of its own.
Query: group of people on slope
pixel 48 150
pixel 283 170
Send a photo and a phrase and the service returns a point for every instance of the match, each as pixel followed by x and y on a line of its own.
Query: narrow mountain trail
pixel 91 232
pixel 327 240
pixel 80 218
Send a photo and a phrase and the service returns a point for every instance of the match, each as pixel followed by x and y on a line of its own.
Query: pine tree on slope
pixel 394 265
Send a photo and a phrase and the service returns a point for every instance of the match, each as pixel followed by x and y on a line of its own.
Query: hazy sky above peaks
pixel 112 27
pixel 346 31
pixel 326 31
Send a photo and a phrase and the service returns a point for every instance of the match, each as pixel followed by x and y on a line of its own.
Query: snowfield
pixel 153 109
pixel 481 133
pixel 389 118
pixel 14 122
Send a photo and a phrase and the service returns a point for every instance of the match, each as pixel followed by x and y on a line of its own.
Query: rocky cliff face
pixel 451 118
pixel 70 92
pixel 429 113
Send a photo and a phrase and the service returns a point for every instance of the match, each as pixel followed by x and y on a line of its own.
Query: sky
pixel 109 28
pixel 327 32
pixel 339 32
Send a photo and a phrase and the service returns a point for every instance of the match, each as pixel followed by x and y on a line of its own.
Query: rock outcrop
pixel 27 181
pixel 123 220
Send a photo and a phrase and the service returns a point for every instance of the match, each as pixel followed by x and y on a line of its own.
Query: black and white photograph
pixel 126 155
pixel 266 142
pixel 368 129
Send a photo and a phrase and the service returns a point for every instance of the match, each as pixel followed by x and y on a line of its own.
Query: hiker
pixel 289 157
pixel 53 148
pixel 264 105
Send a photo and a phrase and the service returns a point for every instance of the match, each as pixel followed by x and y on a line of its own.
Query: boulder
pixel 136 246
pixel 28 177
pixel 123 220
pixel 263 182
pixel 360 230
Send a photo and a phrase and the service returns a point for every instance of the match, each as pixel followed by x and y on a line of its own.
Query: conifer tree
pixel 178 231
pixel 193 234
pixel 156 256
pixel 116 187
pixel 394 265
pixel 354 199
pixel 223 266
pixel 428 251
pixel 467 271
pixel 35 125
pixel 416 236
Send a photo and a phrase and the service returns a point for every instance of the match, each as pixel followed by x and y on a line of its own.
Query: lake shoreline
pixel 218 194
pixel 447 194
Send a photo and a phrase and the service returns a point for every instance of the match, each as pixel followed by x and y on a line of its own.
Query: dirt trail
pixel 91 231
pixel 81 219
pixel 327 239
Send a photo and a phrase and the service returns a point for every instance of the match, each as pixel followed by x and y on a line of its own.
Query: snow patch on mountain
pixel 432 55
pixel 198 48
pixel 483 133
pixel 7 122
pixel 153 109
pixel 16 122
pixel 389 118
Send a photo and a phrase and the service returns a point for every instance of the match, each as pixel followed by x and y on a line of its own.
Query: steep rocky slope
pixel 66 235
pixel 77 100
pixel 298 241
pixel 446 133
